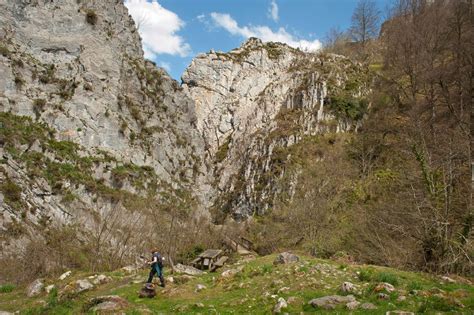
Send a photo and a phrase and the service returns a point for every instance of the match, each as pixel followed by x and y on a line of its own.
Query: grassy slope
pixel 251 290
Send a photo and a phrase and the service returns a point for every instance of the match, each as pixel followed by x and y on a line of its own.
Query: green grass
pixel 251 290
pixel 7 288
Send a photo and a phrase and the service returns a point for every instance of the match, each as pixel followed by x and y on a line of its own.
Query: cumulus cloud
pixel 158 28
pixel 265 33
pixel 273 11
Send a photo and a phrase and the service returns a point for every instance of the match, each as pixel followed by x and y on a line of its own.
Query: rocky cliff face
pixel 105 127
pixel 257 100
pixel 91 131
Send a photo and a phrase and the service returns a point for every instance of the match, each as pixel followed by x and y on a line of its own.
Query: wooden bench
pixel 219 263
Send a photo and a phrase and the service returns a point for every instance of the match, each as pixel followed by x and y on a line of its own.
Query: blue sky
pixel 174 31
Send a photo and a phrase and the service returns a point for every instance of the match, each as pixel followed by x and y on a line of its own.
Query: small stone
pixel 169 279
pixel 384 286
pixel 199 305
pixel 82 285
pixel 130 269
pixel 383 296
pixel 65 275
pixel 368 306
pixel 448 279
pixel 292 300
pixel 101 279
pixel 49 288
pixel 352 305
pixel 280 305
pixel 348 287
pixel 35 288
pixel 283 290
pixel 399 313
pixel 401 298
pixel 200 287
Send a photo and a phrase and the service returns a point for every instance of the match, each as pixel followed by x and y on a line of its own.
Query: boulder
pixel 368 306
pixel 188 270
pixel 330 302
pixel 101 279
pixel 82 285
pixel 65 275
pixel 286 258
pixel 35 288
pixel 107 303
pixel 347 287
pixel 352 305
pixel 280 305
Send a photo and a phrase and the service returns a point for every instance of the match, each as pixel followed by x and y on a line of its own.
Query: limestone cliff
pixel 108 127
pixel 90 130
pixel 256 100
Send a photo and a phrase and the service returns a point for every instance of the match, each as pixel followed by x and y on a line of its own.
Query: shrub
pixel 19 81
pixel 4 51
pixel 38 106
pixel 11 191
pixel 365 275
pixel 91 17
pixel 7 288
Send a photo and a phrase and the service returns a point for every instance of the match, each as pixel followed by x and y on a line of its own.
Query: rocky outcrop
pixel 111 127
pixel 254 102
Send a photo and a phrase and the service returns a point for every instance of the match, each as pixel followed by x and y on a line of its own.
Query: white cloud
pixel 265 33
pixel 158 27
pixel 165 65
pixel 273 11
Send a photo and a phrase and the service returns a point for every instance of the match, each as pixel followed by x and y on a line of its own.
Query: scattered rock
pixel 35 288
pixel 188 270
pixel 286 258
pixel 352 305
pixel 107 303
pixel 330 302
pixel 200 287
pixel 130 269
pixel 230 272
pixel 384 286
pixel 5 313
pixel 348 287
pixel 292 300
pixel 169 279
pixel 368 306
pixel 280 304
pixel 199 305
pixel 49 288
pixel 399 313
pixel 65 275
pixel 101 279
pixel 82 285
pixel 182 279
pixel 401 298
pixel 448 279
pixel 383 296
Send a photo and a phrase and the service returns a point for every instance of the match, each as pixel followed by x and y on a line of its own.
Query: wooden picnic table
pixel 210 259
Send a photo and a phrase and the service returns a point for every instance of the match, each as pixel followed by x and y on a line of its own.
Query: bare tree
pixel 365 21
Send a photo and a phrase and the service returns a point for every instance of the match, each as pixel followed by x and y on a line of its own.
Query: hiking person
pixel 156 267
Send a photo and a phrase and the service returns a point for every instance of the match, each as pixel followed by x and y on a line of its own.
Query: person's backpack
pixel 159 259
